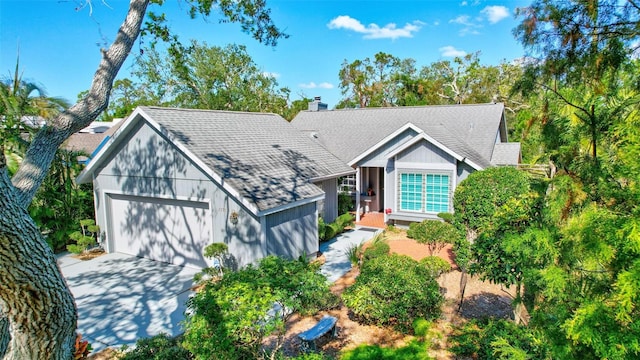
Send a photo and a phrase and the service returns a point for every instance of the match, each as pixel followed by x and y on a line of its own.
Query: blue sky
pixel 59 41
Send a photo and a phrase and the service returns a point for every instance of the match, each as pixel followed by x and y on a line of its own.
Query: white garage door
pixel 173 231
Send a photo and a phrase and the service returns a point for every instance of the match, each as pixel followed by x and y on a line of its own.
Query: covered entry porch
pixel 370 194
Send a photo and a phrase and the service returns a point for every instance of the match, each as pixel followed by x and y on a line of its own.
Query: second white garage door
pixel 173 231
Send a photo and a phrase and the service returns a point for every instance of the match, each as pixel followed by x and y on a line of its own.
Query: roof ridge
pixel 164 108
pixel 408 107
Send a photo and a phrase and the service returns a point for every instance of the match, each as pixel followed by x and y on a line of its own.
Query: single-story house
pixel 409 160
pixel 171 181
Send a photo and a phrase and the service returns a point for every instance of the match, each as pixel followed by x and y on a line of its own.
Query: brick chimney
pixel 317 105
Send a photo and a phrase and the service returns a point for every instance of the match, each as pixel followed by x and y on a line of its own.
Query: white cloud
pixel 450 51
pixel 469 27
pixel 462 20
pixel 274 75
pixel 313 85
pixel 495 13
pixel 373 31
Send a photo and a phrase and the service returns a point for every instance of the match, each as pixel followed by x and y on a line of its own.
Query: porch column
pixel 358 191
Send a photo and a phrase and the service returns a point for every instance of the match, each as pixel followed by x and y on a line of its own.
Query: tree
pixel 433 233
pixel 210 77
pixel 33 295
pixel 576 52
pixel 369 82
pixel 459 77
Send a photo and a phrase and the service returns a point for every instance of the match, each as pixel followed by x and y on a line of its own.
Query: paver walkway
pixel 335 251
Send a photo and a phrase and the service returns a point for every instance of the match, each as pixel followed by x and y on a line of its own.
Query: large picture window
pixel 427 193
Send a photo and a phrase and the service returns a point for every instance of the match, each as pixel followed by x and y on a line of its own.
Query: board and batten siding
pixel 328 208
pixel 146 164
pixel 293 232
pixel 378 158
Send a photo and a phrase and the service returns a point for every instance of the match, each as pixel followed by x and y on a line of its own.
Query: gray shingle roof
pixel 506 154
pixel 263 157
pixel 468 130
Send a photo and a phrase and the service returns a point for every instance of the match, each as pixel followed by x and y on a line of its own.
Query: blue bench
pixel 309 337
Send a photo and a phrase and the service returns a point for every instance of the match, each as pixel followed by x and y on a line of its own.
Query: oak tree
pixel 34 297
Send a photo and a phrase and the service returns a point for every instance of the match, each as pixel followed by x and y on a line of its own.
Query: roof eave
pixel 332 176
pixel 290 205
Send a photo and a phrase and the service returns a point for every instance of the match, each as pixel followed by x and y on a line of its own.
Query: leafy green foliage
pixel 215 251
pixel 85 238
pixel 436 265
pixel 60 204
pixel 330 230
pixel 378 247
pixel 354 254
pixel 478 197
pixel 414 350
pixel 497 339
pixel 345 203
pixel 229 318
pixel 393 290
pixel 345 220
pixel 159 347
pixel 433 233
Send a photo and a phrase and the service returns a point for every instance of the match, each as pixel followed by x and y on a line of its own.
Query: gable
pixel 425 152
pixel 377 156
pixel 145 153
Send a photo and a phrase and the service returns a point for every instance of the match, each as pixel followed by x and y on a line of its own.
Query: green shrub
pixel 331 230
pixel 322 227
pixel 379 247
pixel 85 238
pixel 497 339
pixel 434 233
pixel 482 193
pixel 60 204
pixel 345 203
pixel 446 217
pixel 414 350
pixel 213 251
pixel 228 319
pixel 436 265
pixel 159 347
pixel 393 290
pixel 345 220
pixel 354 254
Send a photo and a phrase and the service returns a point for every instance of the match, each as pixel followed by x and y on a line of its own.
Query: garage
pixel 167 230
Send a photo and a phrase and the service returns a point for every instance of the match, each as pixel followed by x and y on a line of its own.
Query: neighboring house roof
pixel 88 142
pixel 506 154
pixel 467 130
pixel 261 157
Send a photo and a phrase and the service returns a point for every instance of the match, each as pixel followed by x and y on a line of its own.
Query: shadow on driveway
pixel 122 298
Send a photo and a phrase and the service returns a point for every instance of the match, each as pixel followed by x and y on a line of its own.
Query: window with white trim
pixel 424 192
pixel 347 185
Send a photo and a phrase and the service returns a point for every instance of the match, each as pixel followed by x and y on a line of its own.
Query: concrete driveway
pixel 122 298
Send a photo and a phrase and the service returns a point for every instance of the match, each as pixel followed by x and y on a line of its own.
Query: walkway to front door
pixel 372 219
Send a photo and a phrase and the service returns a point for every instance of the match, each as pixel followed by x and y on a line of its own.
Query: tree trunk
pixel 33 294
pixel 35 297
pixel 4 334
